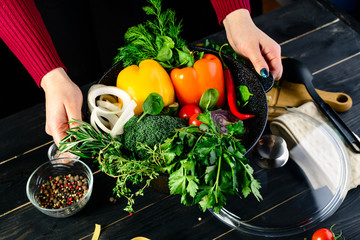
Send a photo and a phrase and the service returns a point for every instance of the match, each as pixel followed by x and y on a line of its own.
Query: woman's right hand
pixel 63 103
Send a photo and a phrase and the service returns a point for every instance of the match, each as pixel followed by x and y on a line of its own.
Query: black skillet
pixel 243 75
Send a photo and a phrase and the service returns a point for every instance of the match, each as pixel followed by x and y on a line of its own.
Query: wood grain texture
pixel 324 47
pixel 26 127
pixel 282 25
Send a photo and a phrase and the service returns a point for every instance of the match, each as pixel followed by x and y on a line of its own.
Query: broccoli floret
pixel 150 130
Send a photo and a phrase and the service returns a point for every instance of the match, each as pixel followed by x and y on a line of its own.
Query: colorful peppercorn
pixel 62 191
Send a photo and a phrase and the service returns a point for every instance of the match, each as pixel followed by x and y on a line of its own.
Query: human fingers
pixel 58 121
pixel 276 68
pixel 63 103
pixel 272 55
pixel 253 53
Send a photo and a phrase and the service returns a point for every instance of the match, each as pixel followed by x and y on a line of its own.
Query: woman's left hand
pixel 249 41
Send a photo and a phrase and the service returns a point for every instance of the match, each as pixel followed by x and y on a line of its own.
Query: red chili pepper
pixel 231 95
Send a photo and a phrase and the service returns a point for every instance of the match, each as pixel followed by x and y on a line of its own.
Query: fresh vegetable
pixel 190 83
pixel 224 46
pixel 325 234
pixel 157 39
pixel 223 118
pixel 108 116
pixel 209 99
pixel 245 94
pixel 231 91
pixel 84 141
pixel 150 131
pixel 194 120
pixel 206 166
pixel 231 96
pixel 205 162
pixel 148 77
pixel 152 105
pixel 188 110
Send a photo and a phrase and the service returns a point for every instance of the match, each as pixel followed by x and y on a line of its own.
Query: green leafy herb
pixel 209 99
pixel 86 142
pixel 157 39
pixel 227 49
pixel 245 94
pixel 152 105
pixel 205 166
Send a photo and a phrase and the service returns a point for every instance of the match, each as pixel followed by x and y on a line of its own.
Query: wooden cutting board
pixel 288 94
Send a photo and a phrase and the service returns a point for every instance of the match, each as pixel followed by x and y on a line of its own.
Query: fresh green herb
pixel 209 99
pixel 152 105
pixel 157 39
pixel 227 49
pixel 245 95
pixel 85 141
pixel 205 166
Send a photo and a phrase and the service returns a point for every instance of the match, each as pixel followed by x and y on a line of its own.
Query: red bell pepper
pixel 191 82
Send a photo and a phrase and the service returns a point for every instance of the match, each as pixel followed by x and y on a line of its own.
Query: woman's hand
pixel 63 103
pixel 249 41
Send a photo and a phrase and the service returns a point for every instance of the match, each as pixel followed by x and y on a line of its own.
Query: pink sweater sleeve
pixel 24 32
pixel 224 7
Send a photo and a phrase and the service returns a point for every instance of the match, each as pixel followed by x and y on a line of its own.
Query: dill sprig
pixel 158 39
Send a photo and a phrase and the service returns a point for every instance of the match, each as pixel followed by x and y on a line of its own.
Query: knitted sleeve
pixel 224 7
pixel 24 32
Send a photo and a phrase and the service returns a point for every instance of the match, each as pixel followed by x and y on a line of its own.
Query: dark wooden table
pixel 312 31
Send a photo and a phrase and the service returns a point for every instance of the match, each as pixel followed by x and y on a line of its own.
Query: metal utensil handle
pixel 345 131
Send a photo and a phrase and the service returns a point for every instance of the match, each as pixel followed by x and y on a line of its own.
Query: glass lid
pixel 309 188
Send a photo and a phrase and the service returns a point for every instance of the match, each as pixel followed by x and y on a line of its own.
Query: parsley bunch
pixel 205 166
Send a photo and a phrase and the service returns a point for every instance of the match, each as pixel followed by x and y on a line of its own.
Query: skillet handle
pixel 266 83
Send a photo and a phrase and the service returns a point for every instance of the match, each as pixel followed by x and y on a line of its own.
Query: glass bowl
pixel 306 191
pixel 50 170
pixel 54 152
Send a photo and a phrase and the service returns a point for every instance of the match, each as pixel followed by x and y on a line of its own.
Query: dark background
pixel 87 34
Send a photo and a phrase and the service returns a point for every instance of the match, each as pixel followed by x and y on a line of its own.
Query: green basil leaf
pixel 185 58
pixel 209 99
pixel 166 41
pixel 244 93
pixel 152 105
pixel 164 44
pixel 164 54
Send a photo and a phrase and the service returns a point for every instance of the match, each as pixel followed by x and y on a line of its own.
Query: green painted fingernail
pixel 264 73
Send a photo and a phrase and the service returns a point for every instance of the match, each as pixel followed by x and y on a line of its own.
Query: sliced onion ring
pixel 107 116
pixel 125 116
pixel 109 106
pixel 99 89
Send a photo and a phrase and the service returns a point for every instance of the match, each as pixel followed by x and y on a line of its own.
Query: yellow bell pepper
pixel 148 77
